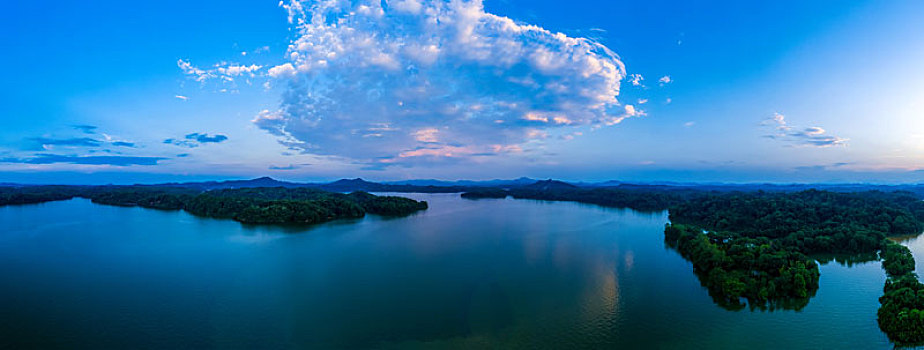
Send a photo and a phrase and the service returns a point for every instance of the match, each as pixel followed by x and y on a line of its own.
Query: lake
pixel 464 274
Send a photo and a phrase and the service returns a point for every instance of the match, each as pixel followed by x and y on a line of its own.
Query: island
pixel 901 315
pixel 731 267
pixel 757 248
pixel 756 245
pixel 251 205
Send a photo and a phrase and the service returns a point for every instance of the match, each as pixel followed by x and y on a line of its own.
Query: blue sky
pixel 788 91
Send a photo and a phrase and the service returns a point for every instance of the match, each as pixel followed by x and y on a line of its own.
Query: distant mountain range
pixel 549 185
pixel 358 184
pixel 231 184
pixel 440 186
pixel 487 183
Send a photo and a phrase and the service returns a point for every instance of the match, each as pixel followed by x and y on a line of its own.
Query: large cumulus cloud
pixel 395 81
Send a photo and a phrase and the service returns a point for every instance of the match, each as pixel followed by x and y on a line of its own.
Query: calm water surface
pixel 463 274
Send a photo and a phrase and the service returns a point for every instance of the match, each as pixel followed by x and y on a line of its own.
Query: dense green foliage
pixel 147 197
pixel 810 221
pixel 36 194
pixel 301 212
pixel 339 203
pixel 265 205
pixel 278 205
pixel 387 205
pixel 807 222
pixel 273 193
pixel 901 315
pixel 764 273
pixel 897 260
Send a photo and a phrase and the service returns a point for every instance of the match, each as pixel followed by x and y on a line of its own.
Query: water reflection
pixel 905 238
pixel 848 260
pixel 600 303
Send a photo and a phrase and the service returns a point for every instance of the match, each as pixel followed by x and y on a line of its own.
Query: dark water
pixel 464 274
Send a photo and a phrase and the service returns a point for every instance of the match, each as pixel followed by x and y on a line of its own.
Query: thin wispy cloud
pixel 813 136
pixel 288 167
pixel 258 50
pixel 430 80
pixel 823 167
pixel 88 137
pixel 80 150
pixel 49 143
pixel 123 144
pixel 86 129
pixel 84 160
pixel 206 138
pixel 196 139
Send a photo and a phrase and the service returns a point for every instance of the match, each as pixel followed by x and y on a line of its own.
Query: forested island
pixel 755 246
pixel 901 315
pixel 260 205
pixel 787 226
pixel 758 248
pixel 759 270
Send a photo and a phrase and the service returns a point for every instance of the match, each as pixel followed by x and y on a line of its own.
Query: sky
pixel 642 91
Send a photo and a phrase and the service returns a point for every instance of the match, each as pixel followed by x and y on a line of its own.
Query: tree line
pixel 267 205
pixel 901 315
pixel 640 198
pixel 774 232
pixel 732 268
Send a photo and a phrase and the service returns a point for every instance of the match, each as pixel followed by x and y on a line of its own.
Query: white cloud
pixel 235 70
pixel 636 79
pixel 283 70
pixel 665 80
pixel 810 136
pixel 184 98
pixel 427 135
pixel 562 120
pixel 189 69
pixel 630 111
pixel 571 136
pixel 490 83
pixel 635 112
pixel 407 6
pixel 225 72
pixel 535 117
